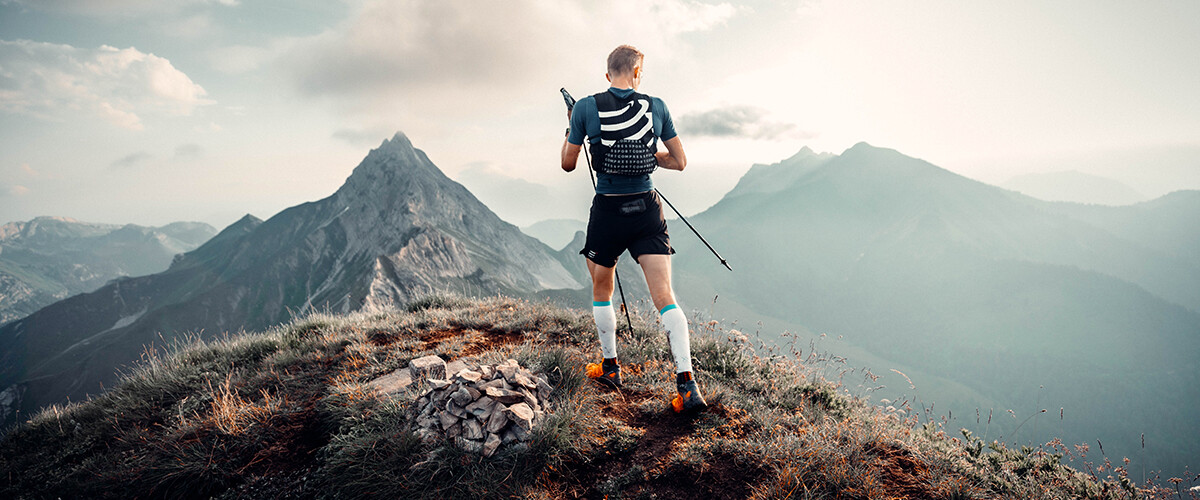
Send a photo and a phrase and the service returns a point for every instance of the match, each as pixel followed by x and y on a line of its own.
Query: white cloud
pixel 392 54
pixel 15 190
pixel 57 82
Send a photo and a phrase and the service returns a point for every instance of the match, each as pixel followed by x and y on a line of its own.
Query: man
pixel 625 128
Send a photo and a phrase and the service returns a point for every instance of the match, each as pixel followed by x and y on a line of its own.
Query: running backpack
pixel 627 140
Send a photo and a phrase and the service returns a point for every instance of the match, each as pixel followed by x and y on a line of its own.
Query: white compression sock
pixel 676 324
pixel 606 324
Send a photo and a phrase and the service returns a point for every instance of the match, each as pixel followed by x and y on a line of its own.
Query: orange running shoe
pixel 688 399
pixel 606 372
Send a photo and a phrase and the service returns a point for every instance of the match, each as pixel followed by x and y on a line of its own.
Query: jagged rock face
pixel 397 229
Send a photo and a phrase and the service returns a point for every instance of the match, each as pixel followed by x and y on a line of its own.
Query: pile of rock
pixel 480 408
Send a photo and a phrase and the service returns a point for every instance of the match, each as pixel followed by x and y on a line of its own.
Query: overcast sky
pixel 148 111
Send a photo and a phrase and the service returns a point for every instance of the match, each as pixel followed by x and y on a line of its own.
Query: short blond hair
pixel 623 59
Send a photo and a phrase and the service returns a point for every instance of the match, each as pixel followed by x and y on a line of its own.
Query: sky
pixel 151 111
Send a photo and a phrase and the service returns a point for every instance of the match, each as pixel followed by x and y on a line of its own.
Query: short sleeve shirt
pixel 585 120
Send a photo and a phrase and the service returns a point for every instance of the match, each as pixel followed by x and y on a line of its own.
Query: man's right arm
pixel 573 144
pixel 570 155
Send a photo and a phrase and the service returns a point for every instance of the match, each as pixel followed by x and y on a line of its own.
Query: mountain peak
pixel 398 141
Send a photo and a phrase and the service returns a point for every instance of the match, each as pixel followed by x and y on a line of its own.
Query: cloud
pixel 738 121
pixel 58 82
pixel 188 151
pixel 131 160
pixel 362 137
pixel 399 51
pixel 14 190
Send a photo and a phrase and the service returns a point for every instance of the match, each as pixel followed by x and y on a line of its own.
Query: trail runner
pixel 627 131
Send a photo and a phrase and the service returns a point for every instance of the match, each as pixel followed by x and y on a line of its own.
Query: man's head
pixel 625 62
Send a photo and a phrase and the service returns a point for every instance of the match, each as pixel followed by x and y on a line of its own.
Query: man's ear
pixel 607 77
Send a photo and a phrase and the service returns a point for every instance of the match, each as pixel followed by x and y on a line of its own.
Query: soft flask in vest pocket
pixel 627 140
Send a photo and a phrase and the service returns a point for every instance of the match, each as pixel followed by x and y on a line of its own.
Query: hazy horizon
pixel 134 111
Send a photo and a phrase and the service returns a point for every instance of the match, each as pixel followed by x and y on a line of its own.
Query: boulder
pixel 428 367
pixel 472 429
pixel 491 444
pixel 521 414
pixel 505 396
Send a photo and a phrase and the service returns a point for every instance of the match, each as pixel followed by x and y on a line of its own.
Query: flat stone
pixel 508 371
pixel 455 430
pixel 427 422
pixel 447 419
pixel 505 396
pixel 462 397
pixel 491 444
pixel 467 444
pixel 475 393
pixel 520 434
pixel 543 388
pixel 456 366
pixel 455 410
pixel 472 429
pixel 481 408
pixel 438 384
pixel 488 372
pixel 521 414
pixel 498 421
pixel 467 375
pixel 427 367
pixel 491 383
pixel 524 381
pixel 392 383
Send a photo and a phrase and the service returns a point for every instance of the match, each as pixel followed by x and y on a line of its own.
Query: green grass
pixel 287 413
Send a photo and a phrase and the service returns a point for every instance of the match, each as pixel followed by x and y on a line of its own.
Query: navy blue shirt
pixel 585 119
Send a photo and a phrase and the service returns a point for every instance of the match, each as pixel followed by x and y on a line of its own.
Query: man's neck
pixel 623 82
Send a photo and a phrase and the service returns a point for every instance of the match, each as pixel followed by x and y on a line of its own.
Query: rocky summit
pixel 397 229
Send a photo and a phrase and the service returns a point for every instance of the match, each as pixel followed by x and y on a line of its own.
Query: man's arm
pixel 671 159
pixel 570 155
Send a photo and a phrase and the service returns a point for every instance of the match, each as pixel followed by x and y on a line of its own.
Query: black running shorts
pixel 631 222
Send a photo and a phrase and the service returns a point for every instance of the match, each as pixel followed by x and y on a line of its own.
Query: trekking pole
pixel 624 307
pixel 689 225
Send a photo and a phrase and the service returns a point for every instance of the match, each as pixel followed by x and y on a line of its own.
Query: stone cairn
pixel 480 408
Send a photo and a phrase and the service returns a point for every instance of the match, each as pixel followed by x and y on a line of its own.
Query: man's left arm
pixel 673 158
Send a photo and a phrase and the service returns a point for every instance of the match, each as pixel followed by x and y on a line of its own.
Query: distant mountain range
pixel 991 300
pixel 397 229
pixel 50 258
pixel 555 232
pixel 1012 300
pixel 1075 187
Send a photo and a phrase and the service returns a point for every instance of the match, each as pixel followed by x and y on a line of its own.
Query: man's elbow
pixel 681 163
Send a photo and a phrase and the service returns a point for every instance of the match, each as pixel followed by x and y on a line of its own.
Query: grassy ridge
pixel 288 413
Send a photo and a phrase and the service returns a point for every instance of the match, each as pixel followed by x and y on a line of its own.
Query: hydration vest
pixel 627 140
